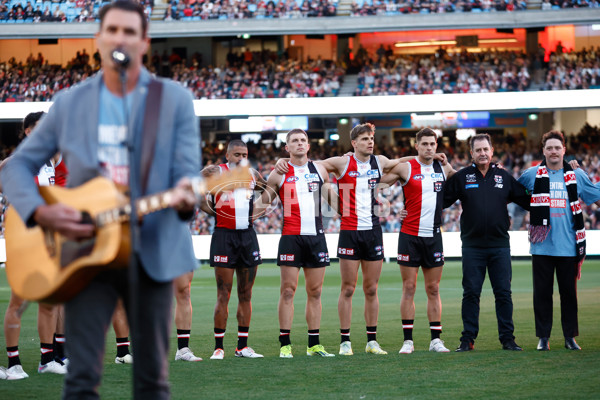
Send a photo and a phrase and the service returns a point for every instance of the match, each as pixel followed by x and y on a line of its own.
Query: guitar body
pixel 44 266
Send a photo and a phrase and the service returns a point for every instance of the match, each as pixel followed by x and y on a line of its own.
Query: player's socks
pixel 436 329
pixel 219 335
pixel 59 346
pixel 407 328
pixel 371 333
pixel 313 337
pixel 47 353
pixel 284 337
pixel 122 346
pixel 345 335
pixel 242 337
pixel 13 356
pixel 183 338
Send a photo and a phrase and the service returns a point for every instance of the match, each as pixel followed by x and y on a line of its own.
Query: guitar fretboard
pixel 144 206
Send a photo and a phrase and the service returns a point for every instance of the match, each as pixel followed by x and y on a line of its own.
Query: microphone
pixel 120 58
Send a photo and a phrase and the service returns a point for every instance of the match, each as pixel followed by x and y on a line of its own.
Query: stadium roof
pixel 320 26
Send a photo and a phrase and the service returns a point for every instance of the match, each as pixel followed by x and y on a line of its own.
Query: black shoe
pixel 571 344
pixel 511 345
pixel 464 346
pixel 544 344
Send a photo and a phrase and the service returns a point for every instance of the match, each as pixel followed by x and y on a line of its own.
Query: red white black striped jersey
pixel 356 189
pixel 423 199
pixel 46 175
pixel 300 195
pixel 234 208
pixel 60 172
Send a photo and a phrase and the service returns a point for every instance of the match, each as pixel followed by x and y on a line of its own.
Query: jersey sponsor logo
pixel 558 203
pixel 353 174
pixel 499 185
pixel 403 257
pixel 471 178
pixel 292 179
pixel 220 259
pixel 472 186
pixel 437 177
pixel 348 252
pixel 374 173
pixel 311 177
pixel 286 257
pixel 437 186
pixel 498 178
pixel 372 183
pixel 418 177
pixel 313 186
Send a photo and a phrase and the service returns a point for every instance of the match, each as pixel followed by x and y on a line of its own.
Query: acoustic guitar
pixel 42 265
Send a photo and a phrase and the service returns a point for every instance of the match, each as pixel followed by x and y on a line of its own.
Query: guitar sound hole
pixel 72 250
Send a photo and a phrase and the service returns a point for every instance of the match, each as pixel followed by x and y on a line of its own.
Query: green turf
pixel 488 372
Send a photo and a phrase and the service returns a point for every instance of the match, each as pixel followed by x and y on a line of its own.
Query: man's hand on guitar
pixel 65 220
pixel 183 199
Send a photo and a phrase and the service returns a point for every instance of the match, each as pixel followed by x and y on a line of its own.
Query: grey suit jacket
pixel 71 128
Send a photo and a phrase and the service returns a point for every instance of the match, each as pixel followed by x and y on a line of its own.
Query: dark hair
pixel 360 129
pixel 236 143
pixel 125 5
pixel 480 136
pixel 293 132
pixel 31 119
pixel 425 132
pixel 553 135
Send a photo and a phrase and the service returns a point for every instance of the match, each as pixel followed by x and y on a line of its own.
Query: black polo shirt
pixel 484 221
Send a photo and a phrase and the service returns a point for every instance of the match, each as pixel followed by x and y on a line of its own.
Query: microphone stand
pixel 134 228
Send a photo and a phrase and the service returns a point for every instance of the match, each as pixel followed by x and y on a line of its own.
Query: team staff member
pixel 484 190
pixel 99 146
pixel 302 243
pixel 234 248
pixel 420 240
pixel 557 236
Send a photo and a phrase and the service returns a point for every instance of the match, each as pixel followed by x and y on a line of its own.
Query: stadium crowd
pixel 228 9
pixel 266 74
pixel 56 11
pixel 394 7
pixel 442 72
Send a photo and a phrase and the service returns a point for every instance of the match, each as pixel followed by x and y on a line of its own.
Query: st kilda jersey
pixel 46 175
pixel 356 189
pixel 300 195
pixel 234 208
pixel 423 199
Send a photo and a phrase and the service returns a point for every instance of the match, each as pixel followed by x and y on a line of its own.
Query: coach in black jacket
pixel 484 191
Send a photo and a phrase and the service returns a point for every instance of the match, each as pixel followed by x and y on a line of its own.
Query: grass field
pixel 487 372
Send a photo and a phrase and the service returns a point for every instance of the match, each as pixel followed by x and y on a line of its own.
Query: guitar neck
pixel 162 200
pixel 144 206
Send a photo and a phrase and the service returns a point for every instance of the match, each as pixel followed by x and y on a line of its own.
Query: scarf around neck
pixel 539 226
